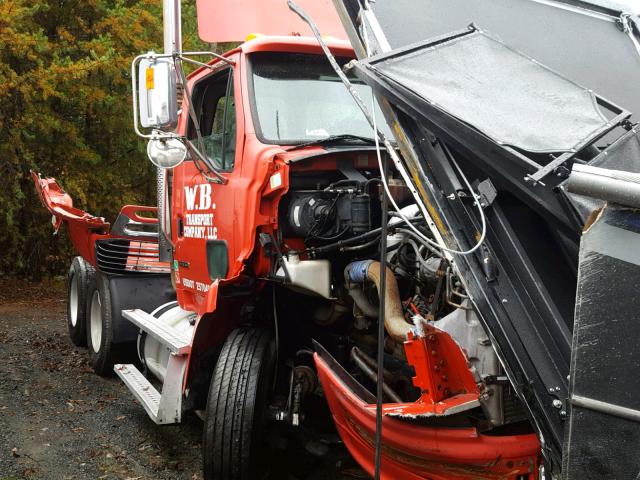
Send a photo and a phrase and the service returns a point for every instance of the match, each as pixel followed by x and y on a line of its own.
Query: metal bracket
pixel 127 227
pixel 626 24
pixel 558 403
pixel 487 192
pixel 170 408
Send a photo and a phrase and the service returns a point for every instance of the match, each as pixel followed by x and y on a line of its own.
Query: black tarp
pixel 509 97
pixel 581 40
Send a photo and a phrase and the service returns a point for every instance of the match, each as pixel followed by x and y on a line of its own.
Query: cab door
pixel 203 209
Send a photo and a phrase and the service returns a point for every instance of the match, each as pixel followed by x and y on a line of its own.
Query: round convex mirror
pixel 166 153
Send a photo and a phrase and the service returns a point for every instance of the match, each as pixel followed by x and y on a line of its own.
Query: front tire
pixel 234 441
pixel 80 275
pixel 99 325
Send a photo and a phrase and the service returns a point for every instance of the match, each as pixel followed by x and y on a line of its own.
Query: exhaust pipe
pixel 172 25
pixel 394 322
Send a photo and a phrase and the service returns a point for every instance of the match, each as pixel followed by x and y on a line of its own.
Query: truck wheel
pixel 233 444
pixel 80 274
pixel 99 325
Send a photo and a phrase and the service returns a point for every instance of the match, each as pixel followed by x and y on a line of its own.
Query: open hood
pixel 434 91
pixel 233 20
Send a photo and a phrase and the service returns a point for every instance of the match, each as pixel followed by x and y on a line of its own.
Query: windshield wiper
pixel 334 139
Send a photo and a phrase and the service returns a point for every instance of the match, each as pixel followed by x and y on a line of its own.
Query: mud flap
pixel 145 292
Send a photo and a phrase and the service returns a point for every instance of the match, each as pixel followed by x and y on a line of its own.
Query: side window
pixel 216 110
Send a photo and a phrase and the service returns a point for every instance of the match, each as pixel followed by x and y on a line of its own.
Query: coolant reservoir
pixel 310 275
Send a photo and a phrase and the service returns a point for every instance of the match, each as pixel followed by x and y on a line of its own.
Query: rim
pixel 95 321
pixel 73 300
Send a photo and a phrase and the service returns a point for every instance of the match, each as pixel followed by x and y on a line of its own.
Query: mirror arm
pixel 191 109
pixel 206 65
pixel 213 54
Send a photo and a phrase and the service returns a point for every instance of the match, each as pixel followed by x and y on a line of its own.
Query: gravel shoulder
pixel 60 421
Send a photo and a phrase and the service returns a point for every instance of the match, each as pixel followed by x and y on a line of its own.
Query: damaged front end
pixel 428 438
pixel 478 122
pixel 448 411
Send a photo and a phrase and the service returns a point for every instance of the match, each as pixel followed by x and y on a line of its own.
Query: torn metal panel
pixel 603 434
pixel 442 374
pixel 465 328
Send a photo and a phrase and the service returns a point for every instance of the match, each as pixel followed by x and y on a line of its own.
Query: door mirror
pixel 157 93
pixel 166 152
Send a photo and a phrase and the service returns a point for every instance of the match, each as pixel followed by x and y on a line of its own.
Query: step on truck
pixel 389 248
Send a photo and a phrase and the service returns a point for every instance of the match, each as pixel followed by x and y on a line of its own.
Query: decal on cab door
pixel 196 223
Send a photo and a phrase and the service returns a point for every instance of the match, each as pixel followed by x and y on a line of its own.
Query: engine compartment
pixel 324 290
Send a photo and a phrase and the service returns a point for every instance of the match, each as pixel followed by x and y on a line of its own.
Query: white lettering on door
pixel 190 197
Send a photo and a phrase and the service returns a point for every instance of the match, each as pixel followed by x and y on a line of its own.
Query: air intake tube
pixel 394 322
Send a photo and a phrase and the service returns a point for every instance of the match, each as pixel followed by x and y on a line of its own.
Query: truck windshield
pixel 298 98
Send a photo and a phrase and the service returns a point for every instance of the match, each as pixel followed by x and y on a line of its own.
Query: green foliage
pixel 65 111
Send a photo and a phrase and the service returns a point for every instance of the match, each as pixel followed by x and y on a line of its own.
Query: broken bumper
pixel 410 449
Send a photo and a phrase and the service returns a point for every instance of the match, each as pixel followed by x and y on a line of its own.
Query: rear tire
pixel 99 325
pixel 81 274
pixel 234 441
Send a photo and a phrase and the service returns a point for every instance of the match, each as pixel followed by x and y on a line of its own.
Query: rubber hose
pixel 394 321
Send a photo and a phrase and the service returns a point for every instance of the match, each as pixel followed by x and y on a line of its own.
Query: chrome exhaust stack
pixel 172 28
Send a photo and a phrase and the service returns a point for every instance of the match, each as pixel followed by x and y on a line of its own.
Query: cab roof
pixel 285 43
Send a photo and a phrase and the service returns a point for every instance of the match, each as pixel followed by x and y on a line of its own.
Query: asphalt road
pixel 60 421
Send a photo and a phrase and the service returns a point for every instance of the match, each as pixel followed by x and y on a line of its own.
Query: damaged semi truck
pixel 426 239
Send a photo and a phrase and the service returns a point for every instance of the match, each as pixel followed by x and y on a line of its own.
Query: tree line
pixel 65 111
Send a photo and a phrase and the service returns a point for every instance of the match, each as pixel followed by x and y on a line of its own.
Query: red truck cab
pixel 268 116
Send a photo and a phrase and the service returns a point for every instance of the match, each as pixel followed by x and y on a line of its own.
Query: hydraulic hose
pixel 371 270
